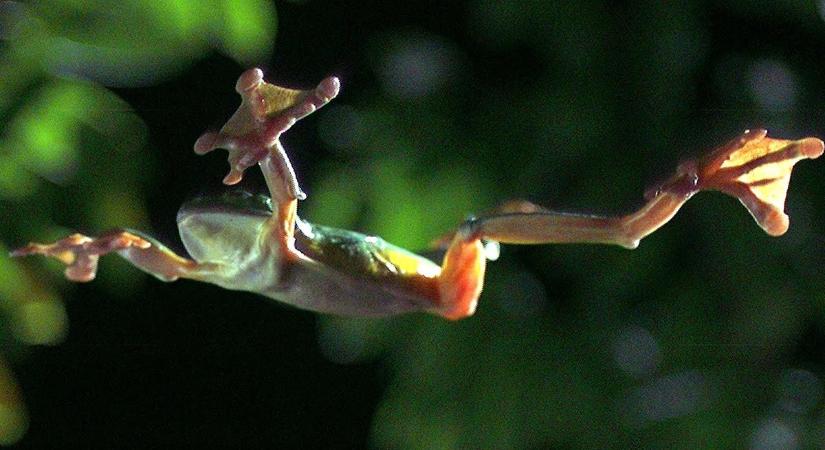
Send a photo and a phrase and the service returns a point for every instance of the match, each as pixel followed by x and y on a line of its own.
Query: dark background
pixel 709 335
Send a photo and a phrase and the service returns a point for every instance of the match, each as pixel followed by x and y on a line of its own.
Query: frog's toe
pixel 326 90
pixel 249 80
pixel 83 269
pixel 206 143
pixel 211 140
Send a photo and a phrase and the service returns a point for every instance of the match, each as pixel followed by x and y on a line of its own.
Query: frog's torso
pixel 344 272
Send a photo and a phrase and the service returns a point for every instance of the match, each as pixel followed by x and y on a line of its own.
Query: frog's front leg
pixel 252 135
pixel 81 253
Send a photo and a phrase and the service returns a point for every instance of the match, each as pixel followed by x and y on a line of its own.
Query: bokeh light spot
pixel 249 28
pixel 799 391
pixel 341 127
pixel 41 322
pixel 773 85
pixel 521 294
pixel 13 423
pixel 773 434
pixel 667 397
pixel 636 351
pixel 12 15
pixel 417 65
pixel 13 416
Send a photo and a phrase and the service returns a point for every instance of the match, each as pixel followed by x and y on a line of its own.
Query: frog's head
pixel 223 228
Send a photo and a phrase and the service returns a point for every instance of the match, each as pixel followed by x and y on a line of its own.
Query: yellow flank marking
pixel 408 263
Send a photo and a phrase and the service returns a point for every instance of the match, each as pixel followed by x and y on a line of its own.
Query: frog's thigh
pixel 461 278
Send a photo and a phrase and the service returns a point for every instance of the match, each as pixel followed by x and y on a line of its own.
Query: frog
pixel 258 243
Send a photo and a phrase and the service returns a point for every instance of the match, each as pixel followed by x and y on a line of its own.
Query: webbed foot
pixel 80 253
pixel 754 168
pixel 266 112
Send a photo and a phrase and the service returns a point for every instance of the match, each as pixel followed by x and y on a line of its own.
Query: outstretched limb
pixel 252 135
pixel 81 253
pixel 753 168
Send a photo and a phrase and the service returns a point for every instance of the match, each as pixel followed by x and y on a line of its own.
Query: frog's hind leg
pixel 81 253
pixel 753 168
pixel 461 277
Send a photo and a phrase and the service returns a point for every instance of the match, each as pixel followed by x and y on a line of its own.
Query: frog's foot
pixel 80 253
pixel 754 168
pixel 252 133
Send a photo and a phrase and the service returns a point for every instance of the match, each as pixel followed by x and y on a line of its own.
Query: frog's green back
pixel 225 228
pixel 357 252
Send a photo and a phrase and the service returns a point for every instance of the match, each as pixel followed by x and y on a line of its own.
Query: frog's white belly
pixel 247 258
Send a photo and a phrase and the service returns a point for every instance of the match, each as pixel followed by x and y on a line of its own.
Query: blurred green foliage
pixel 708 335
pixel 64 135
pixel 679 344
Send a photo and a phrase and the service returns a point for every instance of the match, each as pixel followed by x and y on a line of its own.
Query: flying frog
pixel 259 244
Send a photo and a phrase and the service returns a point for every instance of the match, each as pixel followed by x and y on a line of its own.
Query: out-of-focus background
pixel 710 334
